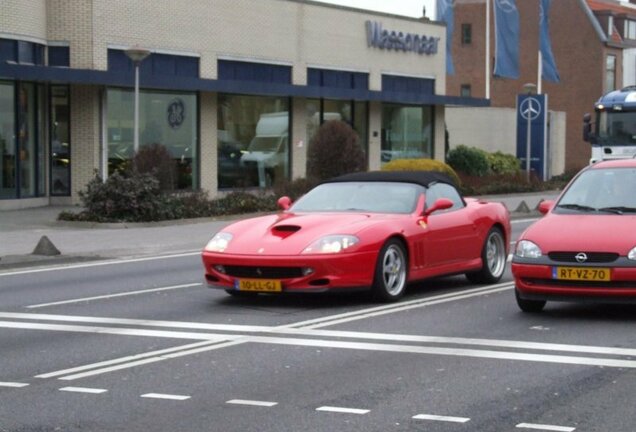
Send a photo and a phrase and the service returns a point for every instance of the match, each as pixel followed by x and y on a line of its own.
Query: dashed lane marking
pixel 252 403
pixel 13 384
pixel 441 418
pixel 343 410
pixel 165 396
pixel 83 390
pixel 545 427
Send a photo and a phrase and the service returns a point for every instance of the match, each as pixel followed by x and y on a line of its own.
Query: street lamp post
pixel 528 89
pixel 137 55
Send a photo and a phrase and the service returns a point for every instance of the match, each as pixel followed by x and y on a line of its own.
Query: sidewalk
pixel 21 230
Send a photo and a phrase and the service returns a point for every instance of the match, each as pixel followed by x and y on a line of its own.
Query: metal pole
pixel 529 124
pixel 136 121
pixel 487 49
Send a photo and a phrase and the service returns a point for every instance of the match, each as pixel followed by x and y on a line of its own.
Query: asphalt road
pixel 142 345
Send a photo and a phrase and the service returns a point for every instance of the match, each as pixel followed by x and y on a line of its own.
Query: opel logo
pixel 581 257
pixel 259 272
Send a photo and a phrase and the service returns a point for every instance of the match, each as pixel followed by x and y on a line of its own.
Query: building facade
pixel 233 89
pixel 593 42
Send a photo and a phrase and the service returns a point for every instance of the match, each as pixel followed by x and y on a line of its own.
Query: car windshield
pixel 607 190
pixel 375 197
pixel 617 128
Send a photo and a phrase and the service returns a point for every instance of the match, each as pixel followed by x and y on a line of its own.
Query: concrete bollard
pixel 46 247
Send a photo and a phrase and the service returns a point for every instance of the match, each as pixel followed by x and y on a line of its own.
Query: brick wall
pixel 71 21
pixel 85 147
pixel 580 58
pixel 20 18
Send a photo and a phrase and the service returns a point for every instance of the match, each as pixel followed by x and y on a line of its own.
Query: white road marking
pixel 216 341
pixel 343 410
pixel 13 384
pixel 150 360
pixel 101 263
pixel 109 296
pixel 252 403
pixel 83 390
pixel 122 360
pixel 545 427
pixel 398 307
pixel 441 418
pixel 165 396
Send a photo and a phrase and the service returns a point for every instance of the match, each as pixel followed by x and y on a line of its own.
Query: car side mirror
pixel 545 206
pixel 439 204
pixel 284 203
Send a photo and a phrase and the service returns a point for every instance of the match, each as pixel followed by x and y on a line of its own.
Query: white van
pixel 268 150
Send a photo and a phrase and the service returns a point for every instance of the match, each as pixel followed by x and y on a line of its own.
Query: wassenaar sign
pixel 399 41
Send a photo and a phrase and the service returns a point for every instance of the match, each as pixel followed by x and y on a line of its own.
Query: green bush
pixel 155 159
pixel 335 150
pixel 468 160
pixel 131 197
pixel 242 202
pixel 501 163
pixel 421 165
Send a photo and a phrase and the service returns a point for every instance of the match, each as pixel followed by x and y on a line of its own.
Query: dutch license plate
pixel 260 285
pixel 581 273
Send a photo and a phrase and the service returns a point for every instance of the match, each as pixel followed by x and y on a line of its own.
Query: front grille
pixel 559 283
pixel 264 272
pixel 592 257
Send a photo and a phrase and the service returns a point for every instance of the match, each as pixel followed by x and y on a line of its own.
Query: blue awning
pixel 63 75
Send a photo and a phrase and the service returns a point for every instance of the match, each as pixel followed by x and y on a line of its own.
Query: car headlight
pixel 331 244
pixel 632 254
pixel 219 242
pixel 527 249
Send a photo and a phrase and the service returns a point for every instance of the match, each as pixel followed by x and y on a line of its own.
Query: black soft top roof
pixel 424 178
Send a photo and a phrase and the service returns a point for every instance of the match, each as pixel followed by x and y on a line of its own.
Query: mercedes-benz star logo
pixel 530 107
pixel 581 257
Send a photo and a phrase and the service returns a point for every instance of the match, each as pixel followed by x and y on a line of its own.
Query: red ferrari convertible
pixel 375 230
pixel 584 248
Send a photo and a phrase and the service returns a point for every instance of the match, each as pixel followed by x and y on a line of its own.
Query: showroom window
pixel 352 112
pixel 8 174
pixel 253 141
pixel 407 132
pixel 165 118
pixel 60 142
pixel 21 140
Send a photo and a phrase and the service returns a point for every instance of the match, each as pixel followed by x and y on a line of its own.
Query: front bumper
pixel 345 271
pixel 536 282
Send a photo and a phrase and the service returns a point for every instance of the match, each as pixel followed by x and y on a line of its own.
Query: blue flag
pixel 506 39
pixel 444 10
pixel 548 65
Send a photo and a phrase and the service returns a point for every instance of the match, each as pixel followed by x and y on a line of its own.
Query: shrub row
pixel 476 162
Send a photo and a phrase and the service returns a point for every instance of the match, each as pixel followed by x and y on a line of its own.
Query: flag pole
pixel 487 49
pixel 539 71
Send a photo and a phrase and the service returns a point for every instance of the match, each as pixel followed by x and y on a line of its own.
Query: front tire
pixel 493 258
pixel 530 306
pixel 389 282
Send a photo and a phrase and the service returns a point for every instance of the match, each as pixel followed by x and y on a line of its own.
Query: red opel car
pixel 584 248
pixel 366 231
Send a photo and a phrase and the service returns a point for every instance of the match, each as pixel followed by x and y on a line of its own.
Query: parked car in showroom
pixel 373 231
pixel 584 248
